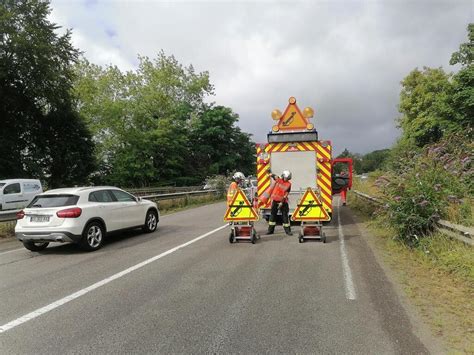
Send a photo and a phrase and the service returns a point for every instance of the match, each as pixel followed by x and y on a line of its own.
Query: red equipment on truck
pixel 342 181
pixel 293 144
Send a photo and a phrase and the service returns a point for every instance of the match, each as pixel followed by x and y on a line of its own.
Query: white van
pixel 18 193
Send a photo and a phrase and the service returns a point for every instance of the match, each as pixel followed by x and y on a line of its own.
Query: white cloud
pixel 345 59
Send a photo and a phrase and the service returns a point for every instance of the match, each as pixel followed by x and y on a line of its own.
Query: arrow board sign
pixel 240 209
pixel 310 208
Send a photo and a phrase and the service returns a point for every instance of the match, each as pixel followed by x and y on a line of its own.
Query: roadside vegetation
pixel 428 175
pixel 7 229
pixel 437 276
pixel 170 206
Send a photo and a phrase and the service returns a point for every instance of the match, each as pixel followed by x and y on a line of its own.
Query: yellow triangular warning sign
pixel 310 208
pixel 292 118
pixel 240 209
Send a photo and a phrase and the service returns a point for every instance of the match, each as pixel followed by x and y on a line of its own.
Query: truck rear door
pixel 302 165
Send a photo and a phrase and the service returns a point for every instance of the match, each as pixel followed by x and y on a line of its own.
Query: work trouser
pixel 285 209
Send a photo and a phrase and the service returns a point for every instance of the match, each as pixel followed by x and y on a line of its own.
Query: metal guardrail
pixel 170 196
pixel 162 190
pixel 461 233
pixel 10 215
pixel 374 200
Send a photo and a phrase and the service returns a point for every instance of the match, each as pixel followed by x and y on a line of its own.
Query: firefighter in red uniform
pixel 280 202
pixel 238 180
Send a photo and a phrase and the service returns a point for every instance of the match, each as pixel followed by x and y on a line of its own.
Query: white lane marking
pixel 349 284
pixel 11 251
pixel 82 292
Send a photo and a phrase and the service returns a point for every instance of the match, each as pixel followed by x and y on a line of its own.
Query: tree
pixel 35 83
pixel 463 82
pixel 141 119
pixel 425 106
pixel 374 160
pixel 218 146
pixel 465 54
pixel 356 161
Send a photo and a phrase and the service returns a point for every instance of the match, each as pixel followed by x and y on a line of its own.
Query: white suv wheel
pixel 151 221
pixel 93 236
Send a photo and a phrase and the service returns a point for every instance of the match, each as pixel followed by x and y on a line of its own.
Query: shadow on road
pixel 112 241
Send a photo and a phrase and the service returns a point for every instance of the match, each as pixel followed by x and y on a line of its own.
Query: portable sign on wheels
pixel 311 213
pixel 241 215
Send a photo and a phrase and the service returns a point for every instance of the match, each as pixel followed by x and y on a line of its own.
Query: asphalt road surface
pixel 186 289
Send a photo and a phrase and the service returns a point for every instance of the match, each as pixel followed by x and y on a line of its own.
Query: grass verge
pixel 180 204
pixel 7 229
pixel 438 277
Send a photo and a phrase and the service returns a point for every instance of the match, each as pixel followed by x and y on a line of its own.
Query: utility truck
pixel 293 144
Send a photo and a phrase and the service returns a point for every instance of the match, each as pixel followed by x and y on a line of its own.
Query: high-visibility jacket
pixel 280 192
pixel 231 192
pixel 265 197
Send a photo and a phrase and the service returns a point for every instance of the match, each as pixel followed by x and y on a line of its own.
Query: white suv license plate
pixel 39 218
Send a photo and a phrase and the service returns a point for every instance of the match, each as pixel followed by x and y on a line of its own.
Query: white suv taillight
pixel 20 214
pixel 69 213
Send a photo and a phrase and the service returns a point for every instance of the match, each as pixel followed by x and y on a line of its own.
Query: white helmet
pixel 238 176
pixel 286 175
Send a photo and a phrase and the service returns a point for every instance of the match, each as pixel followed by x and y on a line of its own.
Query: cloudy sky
pixel 344 58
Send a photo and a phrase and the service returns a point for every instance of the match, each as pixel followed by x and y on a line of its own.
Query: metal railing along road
pixel 10 215
pixel 461 233
pixel 146 191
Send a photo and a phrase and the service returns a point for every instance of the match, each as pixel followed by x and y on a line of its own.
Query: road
pixel 169 292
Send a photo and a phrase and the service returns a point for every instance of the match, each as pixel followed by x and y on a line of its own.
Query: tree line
pixel 68 121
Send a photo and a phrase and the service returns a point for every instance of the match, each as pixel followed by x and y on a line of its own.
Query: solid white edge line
pixel 348 283
pixel 11 251
pixel 60 302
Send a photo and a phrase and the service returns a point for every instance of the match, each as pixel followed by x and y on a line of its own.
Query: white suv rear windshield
pixel 53 201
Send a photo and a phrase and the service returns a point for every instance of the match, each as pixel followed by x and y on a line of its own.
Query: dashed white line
pixel 349 284
pixel 82 292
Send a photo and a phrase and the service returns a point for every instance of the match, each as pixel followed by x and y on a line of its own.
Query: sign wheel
pixel 255 236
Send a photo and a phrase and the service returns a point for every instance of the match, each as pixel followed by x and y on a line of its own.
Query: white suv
pixel 82 215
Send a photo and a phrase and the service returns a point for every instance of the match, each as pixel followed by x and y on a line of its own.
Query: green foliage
pixel 434 103
pixel 65 155
pixel 356 162
pixel 364 163
pixel 465 55
pixel 402 156
pixel 151 126
pixel 35 106
pixel 219 183
pixel 218 146
pixel 432 180
pixel 463 82
pixel 425 106
pixel 463 97
pixel 374 160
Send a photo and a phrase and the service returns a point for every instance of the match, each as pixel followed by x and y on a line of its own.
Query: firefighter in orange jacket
pixel 237 181
pixel 280 202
